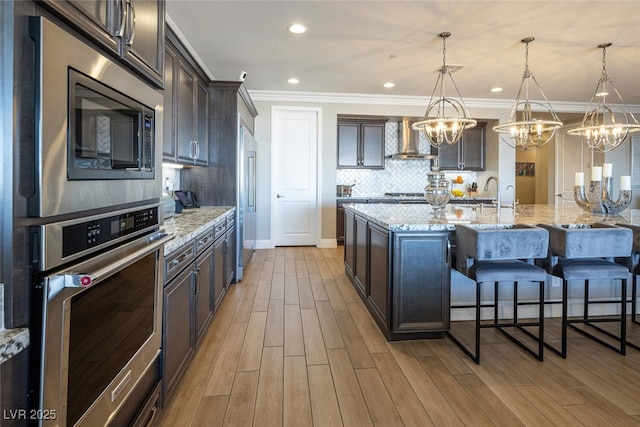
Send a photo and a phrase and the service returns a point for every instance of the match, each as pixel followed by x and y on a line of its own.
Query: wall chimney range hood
pixel 408 144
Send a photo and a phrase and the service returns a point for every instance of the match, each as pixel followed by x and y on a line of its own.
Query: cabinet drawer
pixel 178 260
pixel 231 220
pixel 220 228
pixel 204 240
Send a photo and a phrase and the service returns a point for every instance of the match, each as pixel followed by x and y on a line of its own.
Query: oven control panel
pixel 79 237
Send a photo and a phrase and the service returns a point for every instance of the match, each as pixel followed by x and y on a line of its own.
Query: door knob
pixel 279 196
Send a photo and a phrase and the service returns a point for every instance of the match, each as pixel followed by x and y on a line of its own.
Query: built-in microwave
pixel 111 136
pixel 97 125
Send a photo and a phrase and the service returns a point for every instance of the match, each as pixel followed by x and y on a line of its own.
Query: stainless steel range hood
pixel 408 144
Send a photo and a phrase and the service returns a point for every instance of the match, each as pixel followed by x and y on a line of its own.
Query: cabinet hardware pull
pixel 132 34
pixel 120 31
pixel 279 196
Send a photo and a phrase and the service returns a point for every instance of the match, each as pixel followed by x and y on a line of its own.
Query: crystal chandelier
pixel 605 126
pixel 446 118
pixel 524 129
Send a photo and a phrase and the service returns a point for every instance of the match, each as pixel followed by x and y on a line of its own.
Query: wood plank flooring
pixel 293 345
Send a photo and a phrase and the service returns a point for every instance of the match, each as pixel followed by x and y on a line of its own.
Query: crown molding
pixel 413 101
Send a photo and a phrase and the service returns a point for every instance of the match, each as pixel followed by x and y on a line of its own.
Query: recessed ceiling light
pixel 297 28
pixel 293 81
pixel 389 84
pixel 496 89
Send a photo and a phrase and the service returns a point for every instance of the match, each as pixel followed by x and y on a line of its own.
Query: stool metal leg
pixel 541 320
pixel 478 303
pixel 565 306
pixel 495 301
pixel 622 338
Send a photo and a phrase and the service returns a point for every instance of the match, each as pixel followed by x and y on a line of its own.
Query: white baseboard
pixel 328 243
pixel 264 244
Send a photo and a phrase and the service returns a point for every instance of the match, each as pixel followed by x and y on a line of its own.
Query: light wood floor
pixel 293 345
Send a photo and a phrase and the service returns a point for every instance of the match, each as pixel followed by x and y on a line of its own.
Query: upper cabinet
pixel 468 154
pixel 131 29
pixel 361 143
pixel 186 110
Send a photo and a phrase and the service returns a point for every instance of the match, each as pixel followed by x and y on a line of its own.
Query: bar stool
pixel 497 255
pixel 587 253
pixel 633 264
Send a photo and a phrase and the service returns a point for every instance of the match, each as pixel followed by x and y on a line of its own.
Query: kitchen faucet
pixel 513 193
pixel 486 188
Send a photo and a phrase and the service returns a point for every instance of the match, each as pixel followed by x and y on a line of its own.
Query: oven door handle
pixel 85 280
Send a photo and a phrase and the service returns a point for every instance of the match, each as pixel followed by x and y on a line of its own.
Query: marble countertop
pixel 12 342
pixel 191 222
pixel 421 217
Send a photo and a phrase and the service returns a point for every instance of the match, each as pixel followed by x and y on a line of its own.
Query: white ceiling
pixel 357 46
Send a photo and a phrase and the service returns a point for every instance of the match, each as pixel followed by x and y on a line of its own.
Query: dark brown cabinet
pixel 203 292
pixel 349 242
pixel 186 100
pixel 194 287
pixel 178 343
pixel 131 29
pixel 404 278
pixel 361 256
pixel 340 217
pixel 378 273
pixel 468 154
pixel 360 144
pixel 421 282
pixel 230 256
pixel 219 288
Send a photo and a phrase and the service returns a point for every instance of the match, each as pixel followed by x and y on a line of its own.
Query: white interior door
pixel 294 166
pixel 573 156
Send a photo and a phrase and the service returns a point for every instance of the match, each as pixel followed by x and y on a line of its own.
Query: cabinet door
pixel 168 116
pixel 448 157
pixel 372 152
pixel 378 274
pixel 360 255
pixel 218 271
pixel 349 242
pixel 348 145
pixel 202 123
pixel 185 132
pixel 203 292
pixel 178 342
pixel 421 282
pixel 143 43
pixel 473 148
pixel 230 256
pixel 99 19
pixel 340 224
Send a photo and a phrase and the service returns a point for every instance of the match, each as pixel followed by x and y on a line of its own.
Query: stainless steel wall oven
pixel 97 312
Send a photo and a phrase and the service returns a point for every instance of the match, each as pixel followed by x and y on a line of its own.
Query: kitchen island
pixel 399 257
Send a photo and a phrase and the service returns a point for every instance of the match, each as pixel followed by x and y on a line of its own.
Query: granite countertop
pixel 12 342
pixel 416 198
pixel 421 217
pixel 191 222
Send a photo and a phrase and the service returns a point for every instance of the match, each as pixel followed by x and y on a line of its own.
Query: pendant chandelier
pixel 605 127
pixel 446 118
pixel 530 124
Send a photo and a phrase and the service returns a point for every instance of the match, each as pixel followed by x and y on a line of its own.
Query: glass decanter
pixel 437 190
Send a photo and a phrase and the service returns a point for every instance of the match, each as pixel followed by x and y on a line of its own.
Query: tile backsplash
pixel 398 176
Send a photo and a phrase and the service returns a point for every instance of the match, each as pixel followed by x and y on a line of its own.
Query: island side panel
pixel 421 282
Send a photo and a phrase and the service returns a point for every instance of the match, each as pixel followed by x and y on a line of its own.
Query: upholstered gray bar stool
pixel 503 255
pixel 633 264
pixel 587 253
